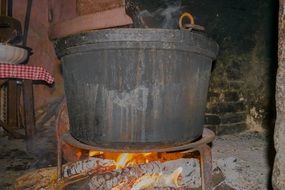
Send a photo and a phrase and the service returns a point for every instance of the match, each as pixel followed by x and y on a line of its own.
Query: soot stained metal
pixel 136 88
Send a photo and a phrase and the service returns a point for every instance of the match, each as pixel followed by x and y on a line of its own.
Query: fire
pixel 172 179
pixel 151 180
pixel 93 153
pixel 145 181
pixel 123 160
pixel 148 180
pixel 78 154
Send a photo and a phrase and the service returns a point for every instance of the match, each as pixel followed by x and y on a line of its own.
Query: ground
pixel 242 157
pixel 14 161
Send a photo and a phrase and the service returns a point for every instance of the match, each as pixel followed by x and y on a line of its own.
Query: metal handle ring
pixel 189 16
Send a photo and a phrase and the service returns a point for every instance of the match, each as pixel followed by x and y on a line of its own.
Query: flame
pixel 93 153
pixel 172 179
pixel 123 160
pixel 150 180
pixel 131 159
pixel 145 182
pixel 78 154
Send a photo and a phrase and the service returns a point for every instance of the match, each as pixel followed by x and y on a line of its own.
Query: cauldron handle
pixel 189 16
pixel 189 26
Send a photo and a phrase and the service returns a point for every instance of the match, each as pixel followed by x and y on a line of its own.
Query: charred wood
pixel 89 165
pixel 100 174
pixel 46 178
pixel 125 176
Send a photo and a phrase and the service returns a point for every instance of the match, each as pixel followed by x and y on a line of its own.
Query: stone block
pixel 213 97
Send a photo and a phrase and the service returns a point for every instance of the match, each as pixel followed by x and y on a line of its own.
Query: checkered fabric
pixel 25 72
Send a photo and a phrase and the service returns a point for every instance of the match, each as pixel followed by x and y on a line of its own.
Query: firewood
pixel 89 165
pixel 127 175
pixel 100 174
pixel 47 177
pixel 174 174
pixel 170 188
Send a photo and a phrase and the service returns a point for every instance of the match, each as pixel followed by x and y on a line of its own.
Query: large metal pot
pixel 136 88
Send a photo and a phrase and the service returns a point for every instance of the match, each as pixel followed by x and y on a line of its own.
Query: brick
pixel 233 71
pixel 231 96
pixel 213 94
pixel 225 107
pixel 212 119
pixel 233 118
pixel 213 97
pixel 234 75
pixel 233 128
pixel 219 85
pixel 235 85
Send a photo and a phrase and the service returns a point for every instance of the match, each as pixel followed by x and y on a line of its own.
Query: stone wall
pixel 241 92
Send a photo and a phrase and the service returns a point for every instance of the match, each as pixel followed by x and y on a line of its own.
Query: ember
pixel 143 171
pixel 146 170
pixel 127 171
pixel 105 170
pixel 132 159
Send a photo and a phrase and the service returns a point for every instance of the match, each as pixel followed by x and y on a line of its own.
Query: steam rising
pixel 165 16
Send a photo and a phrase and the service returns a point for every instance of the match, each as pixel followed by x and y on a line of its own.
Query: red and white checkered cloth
pixel 25 72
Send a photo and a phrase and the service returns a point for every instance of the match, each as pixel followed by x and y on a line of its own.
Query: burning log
pixel 87 166
pixel 117 179
pixel 47 177
pixel 173 174
pixel 104 174
pixel 125 176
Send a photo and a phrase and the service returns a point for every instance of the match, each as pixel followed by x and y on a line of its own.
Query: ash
pixel 242 158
